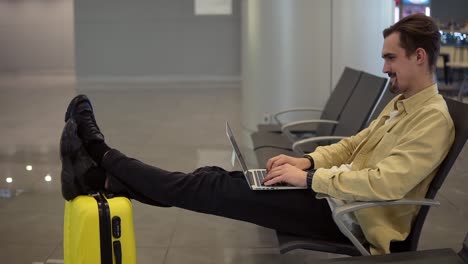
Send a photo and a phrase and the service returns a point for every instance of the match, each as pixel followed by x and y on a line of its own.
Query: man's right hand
pixel 301 163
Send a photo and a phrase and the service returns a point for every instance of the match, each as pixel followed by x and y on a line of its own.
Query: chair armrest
pixel 288 128
pixel 291 110
pixel 297 145
pixel 351 207
pixel 290 125
pixel 339 212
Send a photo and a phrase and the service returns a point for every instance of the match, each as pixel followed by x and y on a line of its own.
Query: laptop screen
pixel 236 147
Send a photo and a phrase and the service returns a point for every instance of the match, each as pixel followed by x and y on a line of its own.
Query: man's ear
pixel 421 56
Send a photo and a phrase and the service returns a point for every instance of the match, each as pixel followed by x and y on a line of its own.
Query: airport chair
pixel 354 247
pixel 353 118
pixel 301 147
pixel 384 100
pixel 332 110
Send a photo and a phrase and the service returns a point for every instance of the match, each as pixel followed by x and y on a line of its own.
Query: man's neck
pixel 422 84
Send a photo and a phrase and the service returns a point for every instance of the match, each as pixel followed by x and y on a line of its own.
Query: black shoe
pixel 81 110
pixel 75 162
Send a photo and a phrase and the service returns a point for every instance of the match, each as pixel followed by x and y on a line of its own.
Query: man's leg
pixel 208 190
pixel 212 190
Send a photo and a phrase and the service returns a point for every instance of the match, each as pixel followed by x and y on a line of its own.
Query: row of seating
pixel 357 99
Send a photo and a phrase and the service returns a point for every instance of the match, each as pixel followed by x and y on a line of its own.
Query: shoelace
pixel 89 120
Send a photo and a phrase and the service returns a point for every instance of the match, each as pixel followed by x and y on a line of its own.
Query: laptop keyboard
pixel 261 174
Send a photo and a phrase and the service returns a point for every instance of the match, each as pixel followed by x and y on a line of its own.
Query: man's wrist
pixel 310 175
pixel 311 161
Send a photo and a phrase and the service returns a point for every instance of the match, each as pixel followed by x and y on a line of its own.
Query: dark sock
pixel 97 149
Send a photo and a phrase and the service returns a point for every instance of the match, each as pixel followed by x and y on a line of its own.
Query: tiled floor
pixel 177 128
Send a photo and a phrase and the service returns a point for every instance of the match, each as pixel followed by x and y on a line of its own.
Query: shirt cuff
pixel 319 161
pixel 322 180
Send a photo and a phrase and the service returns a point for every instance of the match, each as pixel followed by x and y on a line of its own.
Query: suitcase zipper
pixel 104 229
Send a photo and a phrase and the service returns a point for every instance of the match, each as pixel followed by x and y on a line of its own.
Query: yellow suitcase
pixel 98 229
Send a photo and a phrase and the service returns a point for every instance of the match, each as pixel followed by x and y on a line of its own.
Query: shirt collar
pixel 414 102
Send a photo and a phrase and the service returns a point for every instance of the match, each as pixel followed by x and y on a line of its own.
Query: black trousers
pixel 212 190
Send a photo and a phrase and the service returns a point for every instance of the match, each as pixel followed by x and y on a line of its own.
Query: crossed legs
pixel 210 190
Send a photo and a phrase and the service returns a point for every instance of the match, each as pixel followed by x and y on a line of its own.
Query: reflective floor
pixel 176 128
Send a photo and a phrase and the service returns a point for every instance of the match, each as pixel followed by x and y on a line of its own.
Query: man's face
pixel 399 67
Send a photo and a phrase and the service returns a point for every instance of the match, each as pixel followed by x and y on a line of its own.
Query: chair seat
pixel 289 242
pixel 275 128
pixel 262 139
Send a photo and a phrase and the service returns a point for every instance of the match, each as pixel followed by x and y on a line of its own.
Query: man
pixel 395 157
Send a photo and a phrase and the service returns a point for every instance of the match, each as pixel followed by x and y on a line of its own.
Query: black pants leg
pixel 212 190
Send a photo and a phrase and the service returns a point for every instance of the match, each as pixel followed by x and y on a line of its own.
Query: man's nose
pixel 386 68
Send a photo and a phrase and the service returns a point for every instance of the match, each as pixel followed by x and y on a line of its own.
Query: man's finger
pixel 270 162
pixel 275 172
pixel 270 175
pixel 278 163
pixel 274 180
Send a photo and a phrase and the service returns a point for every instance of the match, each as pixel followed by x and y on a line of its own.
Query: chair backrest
pixel 383 101
pixel 459 114
pixel 360 105
pixel 339 97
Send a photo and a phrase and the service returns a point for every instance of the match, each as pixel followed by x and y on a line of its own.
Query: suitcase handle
pixel 105 232
pixel 115 228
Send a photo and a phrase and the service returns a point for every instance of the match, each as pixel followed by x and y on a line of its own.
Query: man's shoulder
pixel 435 106
pixel 436 103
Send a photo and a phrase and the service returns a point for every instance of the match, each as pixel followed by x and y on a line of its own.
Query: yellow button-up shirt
pixel 391 160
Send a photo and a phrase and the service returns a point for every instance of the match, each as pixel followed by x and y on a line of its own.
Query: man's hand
pixel 300 163
pixel 286 173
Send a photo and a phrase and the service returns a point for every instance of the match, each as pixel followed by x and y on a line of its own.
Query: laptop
pixel 254 176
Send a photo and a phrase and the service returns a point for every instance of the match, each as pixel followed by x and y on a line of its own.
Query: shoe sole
pixel 68 146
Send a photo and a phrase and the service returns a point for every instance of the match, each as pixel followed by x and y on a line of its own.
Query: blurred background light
pixel 48 178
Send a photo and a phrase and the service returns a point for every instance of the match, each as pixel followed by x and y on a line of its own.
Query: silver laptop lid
pixel 236 148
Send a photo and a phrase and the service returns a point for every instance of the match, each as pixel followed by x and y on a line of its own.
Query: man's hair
pixel 418 31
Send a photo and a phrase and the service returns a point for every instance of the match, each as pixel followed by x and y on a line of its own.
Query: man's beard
pixel 394 87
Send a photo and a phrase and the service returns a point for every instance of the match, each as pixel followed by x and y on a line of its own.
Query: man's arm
pixel 287 169
pixel 418 151
pixel 340 152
